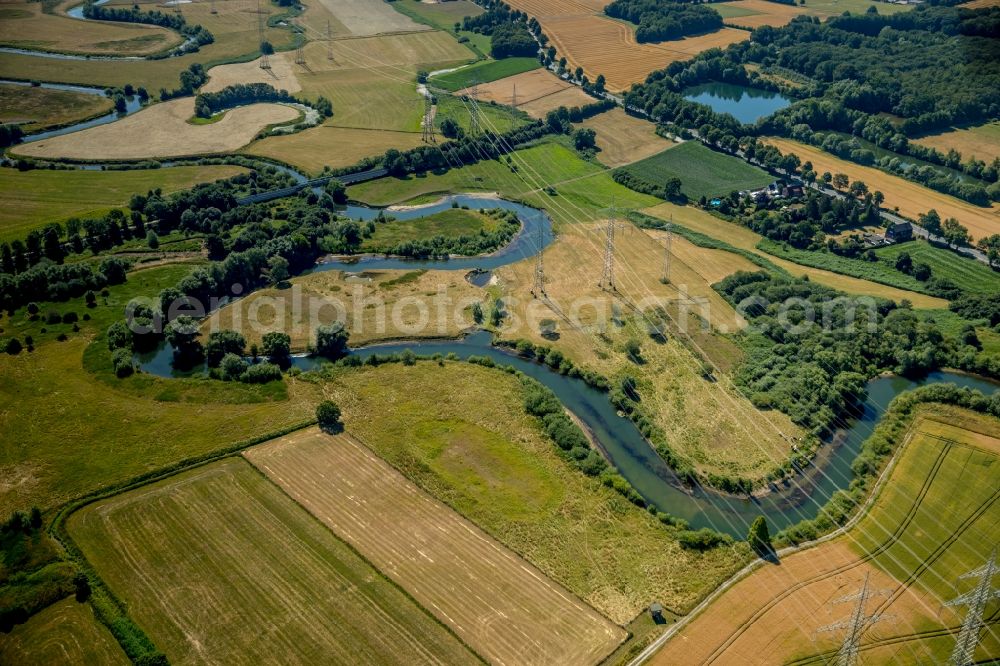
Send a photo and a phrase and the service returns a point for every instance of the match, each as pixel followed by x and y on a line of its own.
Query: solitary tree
pixel 277 346
pixel 328 416
pixel 331 341
pixel 758 538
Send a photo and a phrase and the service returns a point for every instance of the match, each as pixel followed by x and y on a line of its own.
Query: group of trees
pixel 816 371
pixel 507 226
pixel 191 79
pixel 48 281
pixel 660 20
pixel 508 31
pixel 207 104
pixel 196 34
pixel 10 134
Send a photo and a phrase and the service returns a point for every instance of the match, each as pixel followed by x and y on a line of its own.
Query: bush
pixel 70 318
pixel 232 367
pixel 121 361
pixel 261 373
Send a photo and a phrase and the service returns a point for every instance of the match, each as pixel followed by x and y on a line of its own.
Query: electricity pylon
pixel 608 274
pixel 513 108
pixel 668 243
pixel 538 290
pixel 329 42
pixel 976 600
pixel 264 62
pixel 428 123
pixel 300 54
pixel 857 624
pixel 474 108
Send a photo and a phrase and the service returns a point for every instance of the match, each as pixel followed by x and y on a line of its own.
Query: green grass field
pixel 32 199
pixel 484 72
pixel 218 565
pixel 583 190
pixel 97 430
pixel 968 274
pixel 38 108
pixel 702 171
pixel 951 325
pixel 449 223
pixel 64 633
pixel 469 443
pixel 494 117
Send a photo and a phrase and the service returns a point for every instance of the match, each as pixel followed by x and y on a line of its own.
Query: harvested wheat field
pixel 326 145
pixel 745 239
pixel 572 96
pixel 981 141
pixel 363 19
pixel 217 565
pixel 603 46
pixel 903 547
pixel 375 305
pixel 500 605
pixel 26 25
pixel 529 86
pixel 281 75
pixel 755 13
pixel 163 130
pixel 64 633
pixel 912 198
pixel 980 4
pixel 624 139
pixel 710 423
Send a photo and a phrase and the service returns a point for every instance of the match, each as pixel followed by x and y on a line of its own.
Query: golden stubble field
pixel 756 13
pixel 706 420
pixel 538 92
pixel 929 524
pixel 980 141
pixel 624 139
pixel 218 565
pixel 498 603
pixel 373 309
pixel 912 198
pixel 24 25
pixel 162 130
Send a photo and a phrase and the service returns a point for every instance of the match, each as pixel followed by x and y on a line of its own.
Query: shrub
pixel 232 367
pixel 261 373
pixel 121 361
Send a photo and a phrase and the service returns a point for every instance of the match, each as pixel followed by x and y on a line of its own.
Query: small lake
pixel 747 105
pixel 623 444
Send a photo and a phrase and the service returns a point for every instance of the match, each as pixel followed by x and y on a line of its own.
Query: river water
pixel 132 104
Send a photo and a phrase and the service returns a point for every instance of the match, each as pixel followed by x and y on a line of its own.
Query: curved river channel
pixel 618 438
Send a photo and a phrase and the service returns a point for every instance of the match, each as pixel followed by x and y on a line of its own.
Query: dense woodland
pixel 882 79
pixel 208 104
pixel 508 31
pixel 659 20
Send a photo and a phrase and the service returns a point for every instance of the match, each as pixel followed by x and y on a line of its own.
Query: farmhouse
pixel 899 232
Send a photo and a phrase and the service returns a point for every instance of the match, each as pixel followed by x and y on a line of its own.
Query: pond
pixel 747 105
pixel 635 459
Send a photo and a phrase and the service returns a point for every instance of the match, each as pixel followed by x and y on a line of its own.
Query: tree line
pixel 197 35
pixel 208 104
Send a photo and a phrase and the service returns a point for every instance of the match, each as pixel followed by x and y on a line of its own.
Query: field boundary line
pixel 358 553
pixel 476 526
pixel 654 647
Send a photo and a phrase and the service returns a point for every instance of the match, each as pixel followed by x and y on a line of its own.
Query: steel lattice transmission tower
pixel 329 42
pixel 857 624
pixel 300 40
pixel 667 251
pixel 608 274
pixel 428 122
pixel 513 107
pixel 264 62
pixel 538 289
pixel 976 600
pixel 474 109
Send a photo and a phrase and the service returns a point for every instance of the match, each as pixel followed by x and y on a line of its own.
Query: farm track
pixel 774 601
